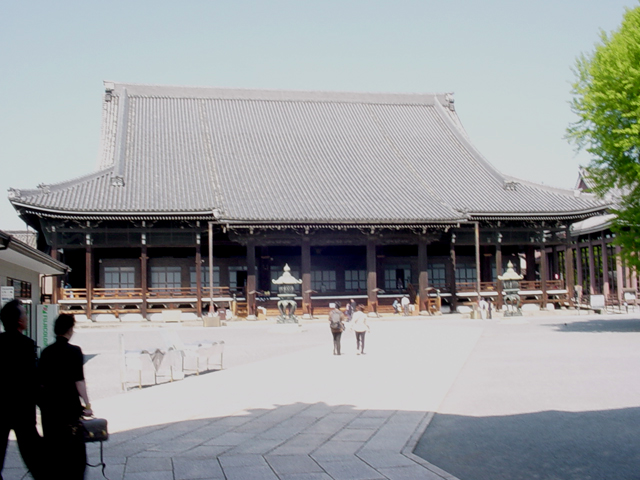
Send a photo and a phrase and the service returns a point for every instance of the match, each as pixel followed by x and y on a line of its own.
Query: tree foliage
pixel 607 103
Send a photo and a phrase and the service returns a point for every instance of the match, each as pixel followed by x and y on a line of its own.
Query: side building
pixel 203 194
pixel 28 273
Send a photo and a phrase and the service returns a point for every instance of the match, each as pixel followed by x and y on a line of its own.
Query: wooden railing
pixel 153 292
pixel 472 286
pixel 186 292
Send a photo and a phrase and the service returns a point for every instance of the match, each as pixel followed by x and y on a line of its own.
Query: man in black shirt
pixel 18 397
pixel 62 376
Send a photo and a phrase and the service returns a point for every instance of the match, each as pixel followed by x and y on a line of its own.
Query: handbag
pixel 94 429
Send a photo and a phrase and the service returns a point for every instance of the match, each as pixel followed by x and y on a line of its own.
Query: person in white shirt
pixel 405 305
pixel 360 326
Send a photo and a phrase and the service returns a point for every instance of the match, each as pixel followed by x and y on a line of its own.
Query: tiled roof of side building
pixel 279 156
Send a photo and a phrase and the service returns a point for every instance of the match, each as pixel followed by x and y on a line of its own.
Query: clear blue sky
pixel 509 63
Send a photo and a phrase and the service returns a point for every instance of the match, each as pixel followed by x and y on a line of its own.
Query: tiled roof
pixel 278 156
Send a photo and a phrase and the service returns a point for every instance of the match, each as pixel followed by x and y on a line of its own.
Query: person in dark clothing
pixel 63 385
pixel 336 323
pixel 19 387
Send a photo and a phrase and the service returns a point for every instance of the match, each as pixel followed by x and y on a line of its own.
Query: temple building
pixel 202 195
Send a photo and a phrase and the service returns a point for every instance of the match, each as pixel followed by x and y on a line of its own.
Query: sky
pixel 509 64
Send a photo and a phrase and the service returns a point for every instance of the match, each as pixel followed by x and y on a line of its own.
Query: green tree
pixel 607 103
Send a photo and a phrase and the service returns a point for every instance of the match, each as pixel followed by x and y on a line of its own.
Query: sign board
pixel 7 294
pixel 597 302
pixel 45 317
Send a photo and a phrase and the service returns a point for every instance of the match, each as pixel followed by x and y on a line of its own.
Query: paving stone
pixel 301 444
pixel 204 451
pixel 368 422
pixel 113 472
pixel 334 447
pixel 210 431
pixel 256 426
pixel 258 446
pixel 176 446
pixel 250 473
pixel 409 473
pixel 350 469
pixel 164 475
pixel 230 438
pixel 148 465
pixel 354 435
pixel 191 469
pixel 305 476
pixel 384 459
pixel 242 461
pixel 290 464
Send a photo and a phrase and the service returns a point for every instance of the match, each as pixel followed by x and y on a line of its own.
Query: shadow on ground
pixel 297 440
pixel 546 445
pixel 600 325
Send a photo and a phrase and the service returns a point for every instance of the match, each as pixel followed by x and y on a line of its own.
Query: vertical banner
pixel 46 316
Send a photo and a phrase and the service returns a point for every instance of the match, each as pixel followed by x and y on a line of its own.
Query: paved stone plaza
pixel 530 398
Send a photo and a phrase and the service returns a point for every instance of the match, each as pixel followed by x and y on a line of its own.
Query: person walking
pixel 62 377
pixel 336 324
pixel 19 388
pixel 361 327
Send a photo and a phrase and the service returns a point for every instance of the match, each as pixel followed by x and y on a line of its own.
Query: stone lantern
pixel 286 295
pixel 511 285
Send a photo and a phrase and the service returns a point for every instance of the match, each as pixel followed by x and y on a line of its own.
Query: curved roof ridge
pixel 66 184
pixel 462 137
pixel 549 188
pixel 177 91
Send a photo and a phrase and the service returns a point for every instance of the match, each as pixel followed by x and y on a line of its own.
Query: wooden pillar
pixel 372 276
pixel 477 243
pixel 57 283
pixel 452 273
pixel 619 276
pixel 605 269
pixel 499 272
pixel 144 279
pixel 580 280
pixel 531 263
pixel 210 241
pixel 89 275
pixel 305 265
pixel 568 267
pixel 198 276
pixel 423 275
pixel 543 276
pixel 251 278
pixel 592 269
